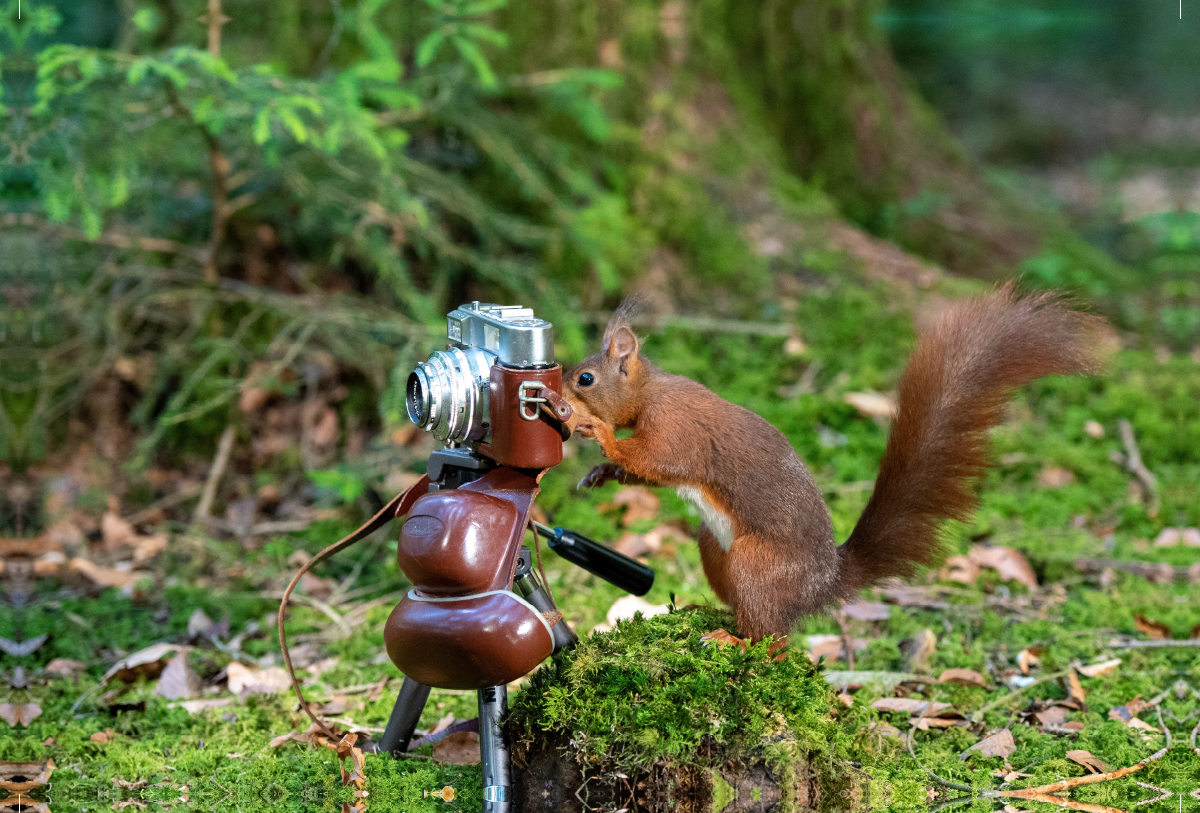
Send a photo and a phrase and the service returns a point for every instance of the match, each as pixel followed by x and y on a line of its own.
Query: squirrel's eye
pixel 587 380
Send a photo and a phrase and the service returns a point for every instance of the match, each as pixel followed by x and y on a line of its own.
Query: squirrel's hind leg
pixel 716 564
pixel 762 586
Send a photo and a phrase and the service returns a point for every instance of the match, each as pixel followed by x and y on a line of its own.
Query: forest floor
pixel 1059 643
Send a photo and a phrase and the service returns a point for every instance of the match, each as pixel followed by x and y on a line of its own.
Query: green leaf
pixel 429 47
pixel 290 120
pixel 485 33
pixel 482 7
pixel 472 54
pixel 262 126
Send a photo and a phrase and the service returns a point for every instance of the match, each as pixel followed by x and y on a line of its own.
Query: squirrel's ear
pixel 622 346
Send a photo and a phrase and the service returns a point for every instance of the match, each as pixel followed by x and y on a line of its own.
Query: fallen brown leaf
pixel 178 681
pixel 968 677
pixel 103 737
pixel 1000 744
pixel 910 705
pixel 1008 562
pixel 1097 669
pixel 1155 629
pixel 148 663
pixel 1088 761
pixel 19 714
pixel 639 503
pixel 257 681
pixel 1076 695
pixel 1055 477
pixel 918 650
pixel 960 569
pixel 1027 659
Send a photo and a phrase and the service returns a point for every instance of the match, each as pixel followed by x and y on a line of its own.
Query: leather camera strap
pixel 399 505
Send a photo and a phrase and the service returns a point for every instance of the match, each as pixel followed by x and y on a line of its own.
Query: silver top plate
pixel 514 334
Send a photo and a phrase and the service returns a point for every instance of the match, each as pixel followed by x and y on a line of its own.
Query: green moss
pixel 650 691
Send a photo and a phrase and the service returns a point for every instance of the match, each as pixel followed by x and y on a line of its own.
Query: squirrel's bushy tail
pixel 953 391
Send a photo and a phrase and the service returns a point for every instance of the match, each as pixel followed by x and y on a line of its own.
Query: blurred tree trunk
pixel 820 77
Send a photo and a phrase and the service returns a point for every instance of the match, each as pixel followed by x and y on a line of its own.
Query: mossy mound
pixel 648 715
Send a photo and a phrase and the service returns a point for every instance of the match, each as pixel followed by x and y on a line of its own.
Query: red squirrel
pixel 767 541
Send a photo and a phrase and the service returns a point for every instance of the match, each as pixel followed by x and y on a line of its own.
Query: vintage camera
pixel 494 389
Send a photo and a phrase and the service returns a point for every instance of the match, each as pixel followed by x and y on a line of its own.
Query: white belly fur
pixel 717 521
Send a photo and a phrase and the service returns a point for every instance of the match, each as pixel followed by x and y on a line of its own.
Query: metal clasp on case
pixel 524 399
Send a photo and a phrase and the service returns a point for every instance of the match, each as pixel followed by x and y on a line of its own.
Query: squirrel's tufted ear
pixel 622 346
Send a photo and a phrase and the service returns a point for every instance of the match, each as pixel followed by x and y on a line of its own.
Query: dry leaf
pixel 197 706
pixel 1009 562
pixel 107 576
pixel 639 503
pixel 257 681
pixel 1075 692
pixel 1027 659
pixel 178 681
pixel 1054 716
pixel 1191 537
pixel 459 748
pixel 866 610
pixel 19 714
pixel 1055 477
pixel 872 404
pixel 1155 629
pixel 1094 429
pixel 1097 669
pixel 635 545
pixel 831 647
pixel 116 531
pixel 148 662
pixel 1088 761
pixel 910 705
pixel 968 677
pixel 960 569
pixel 1000 744
pixel 103 737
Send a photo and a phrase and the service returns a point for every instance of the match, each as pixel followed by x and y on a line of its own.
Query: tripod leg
pixel 405 715
pixel 493 703
pixel 527 585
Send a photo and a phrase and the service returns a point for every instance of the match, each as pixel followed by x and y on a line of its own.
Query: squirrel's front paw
pixel 600 475
pixel 585 430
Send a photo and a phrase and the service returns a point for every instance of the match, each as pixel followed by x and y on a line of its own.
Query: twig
pixel 976 716
pixel 1133 462
pixel 945 782
pixel 166 502
pixel 1153 644
pixel 1156 572
pixel 220 461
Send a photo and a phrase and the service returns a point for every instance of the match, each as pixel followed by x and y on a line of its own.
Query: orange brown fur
pixel 783 562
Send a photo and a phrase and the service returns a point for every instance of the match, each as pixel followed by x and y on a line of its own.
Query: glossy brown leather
pixel 461 543
pixel 454 542
pixel 516 442
pixel 467 643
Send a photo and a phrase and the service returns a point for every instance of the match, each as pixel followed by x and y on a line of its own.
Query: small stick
pixel 976 716
pixel 220 461
pixel 1133 462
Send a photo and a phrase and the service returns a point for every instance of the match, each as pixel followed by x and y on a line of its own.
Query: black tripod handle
pixel 615 568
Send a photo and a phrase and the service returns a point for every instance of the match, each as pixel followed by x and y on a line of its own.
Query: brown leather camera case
pixel 461 626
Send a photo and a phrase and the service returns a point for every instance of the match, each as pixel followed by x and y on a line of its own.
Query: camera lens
pixel 417 398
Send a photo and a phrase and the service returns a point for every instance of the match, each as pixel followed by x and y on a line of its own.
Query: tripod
pixel 450 470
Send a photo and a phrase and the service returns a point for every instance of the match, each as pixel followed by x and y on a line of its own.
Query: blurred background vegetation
pixel 296 193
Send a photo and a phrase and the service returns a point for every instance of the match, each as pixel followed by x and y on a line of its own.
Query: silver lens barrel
pixel 448 394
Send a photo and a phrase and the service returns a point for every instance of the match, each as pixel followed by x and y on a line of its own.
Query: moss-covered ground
pixel 685 692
